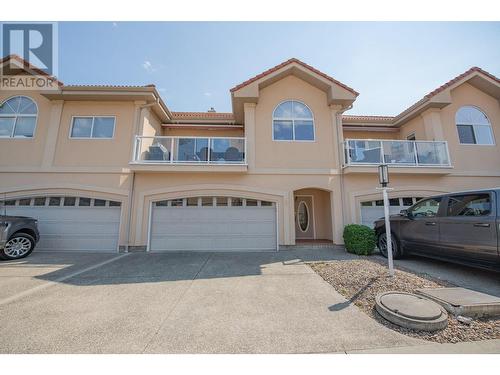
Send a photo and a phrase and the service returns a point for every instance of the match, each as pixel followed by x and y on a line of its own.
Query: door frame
pixel 312 210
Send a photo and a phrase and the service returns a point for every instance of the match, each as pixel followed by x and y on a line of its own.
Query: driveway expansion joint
pixel 176 303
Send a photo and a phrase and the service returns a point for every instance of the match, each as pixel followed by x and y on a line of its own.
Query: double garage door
pixel 213 224
pixel 71 223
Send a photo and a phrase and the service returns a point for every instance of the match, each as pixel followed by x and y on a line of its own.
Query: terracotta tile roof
pixel 29 66
pixel 444 87
pixel 202 116
pixel 377 119
pixel 108 86
pixel 458 78
pixel 37 70
pixel 288 62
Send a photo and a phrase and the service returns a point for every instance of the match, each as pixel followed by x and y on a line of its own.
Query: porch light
pixel 383 174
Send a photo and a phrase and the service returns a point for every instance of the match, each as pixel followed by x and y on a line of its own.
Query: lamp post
pixel 383 177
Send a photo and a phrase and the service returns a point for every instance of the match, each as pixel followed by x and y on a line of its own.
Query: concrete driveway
pixel 179 303
pixel 467 277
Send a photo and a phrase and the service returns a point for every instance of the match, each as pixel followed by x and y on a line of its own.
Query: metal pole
pixel 388 231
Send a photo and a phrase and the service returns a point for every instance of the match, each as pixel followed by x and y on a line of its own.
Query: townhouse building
pixel 112 168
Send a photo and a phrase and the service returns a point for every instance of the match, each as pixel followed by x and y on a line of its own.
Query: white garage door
pixel 213 224
pixel 373 210
pixel 71 223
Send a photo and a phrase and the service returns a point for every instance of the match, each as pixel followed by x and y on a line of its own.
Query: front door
pixel 304 217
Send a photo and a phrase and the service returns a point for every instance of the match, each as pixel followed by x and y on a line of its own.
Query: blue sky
pixel 194 65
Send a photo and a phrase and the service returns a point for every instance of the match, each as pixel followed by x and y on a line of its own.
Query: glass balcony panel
pixel 227 150
pixel 432 153
pixel 191 150
pixel 399 152
pixel 364 152
pixel 396 152
pixel 154 149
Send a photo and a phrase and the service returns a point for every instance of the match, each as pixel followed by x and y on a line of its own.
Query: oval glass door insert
pixel 303 216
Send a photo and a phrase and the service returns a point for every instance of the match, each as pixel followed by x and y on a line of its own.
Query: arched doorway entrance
pixel 312 215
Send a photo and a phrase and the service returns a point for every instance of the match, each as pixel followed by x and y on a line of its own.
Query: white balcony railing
pixel 189 150
pixel 396 152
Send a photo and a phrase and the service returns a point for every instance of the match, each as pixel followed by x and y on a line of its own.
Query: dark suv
pixel 456 227
pixel 18 236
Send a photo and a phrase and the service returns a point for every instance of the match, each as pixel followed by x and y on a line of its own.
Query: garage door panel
pixel 213 228
pixel 76 243
pixel 74 228
pixel 371 211
pixel 77 227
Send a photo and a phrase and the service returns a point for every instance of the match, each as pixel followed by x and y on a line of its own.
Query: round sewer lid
pixel 411 306
pixel 411 311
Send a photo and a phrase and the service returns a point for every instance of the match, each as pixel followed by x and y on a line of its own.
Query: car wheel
pixel 382 245
pixel 20 245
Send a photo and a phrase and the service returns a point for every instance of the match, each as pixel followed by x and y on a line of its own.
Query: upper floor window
pixel 293 121
pixel 18 117
pixel 93 127
pixel 473 126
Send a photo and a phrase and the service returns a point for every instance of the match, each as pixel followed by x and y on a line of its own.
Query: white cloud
pixel 148 66
pixel 207 94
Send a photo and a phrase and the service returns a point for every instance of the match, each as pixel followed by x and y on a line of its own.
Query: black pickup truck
pixel 18 236
pixel 457 227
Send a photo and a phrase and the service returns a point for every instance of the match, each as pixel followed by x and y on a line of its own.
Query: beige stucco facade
pixel 52 162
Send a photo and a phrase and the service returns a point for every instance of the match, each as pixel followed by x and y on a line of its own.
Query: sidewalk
pixel 474 347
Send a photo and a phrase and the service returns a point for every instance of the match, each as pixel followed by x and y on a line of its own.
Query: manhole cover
pixel 411 311
pixel 411 306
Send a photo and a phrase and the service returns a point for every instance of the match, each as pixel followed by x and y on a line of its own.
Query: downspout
pixel 340 150
pixel 132 182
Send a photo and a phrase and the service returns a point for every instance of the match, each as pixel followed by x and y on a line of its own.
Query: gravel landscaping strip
pixel 360 280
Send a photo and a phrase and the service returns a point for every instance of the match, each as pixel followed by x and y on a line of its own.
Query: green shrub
pixel 359 239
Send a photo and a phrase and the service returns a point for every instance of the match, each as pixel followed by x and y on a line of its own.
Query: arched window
pixel 473 126
pixel 293 121
pixel 18 117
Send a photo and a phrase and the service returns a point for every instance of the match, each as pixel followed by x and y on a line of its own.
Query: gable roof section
pixel 288 62
pixel 478 77
pixel 22 64
pixel 459 77
pixel 337 93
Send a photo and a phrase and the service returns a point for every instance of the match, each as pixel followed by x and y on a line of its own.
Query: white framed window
pixel 18 116
pixel 473 126
pixel 293 121
pixel 83 127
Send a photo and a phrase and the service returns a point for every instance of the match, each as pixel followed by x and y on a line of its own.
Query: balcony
pixel 410 156
pixel 189 153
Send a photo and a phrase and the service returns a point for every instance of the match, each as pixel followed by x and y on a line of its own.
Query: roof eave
pixel 248 91
pixel 441 97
